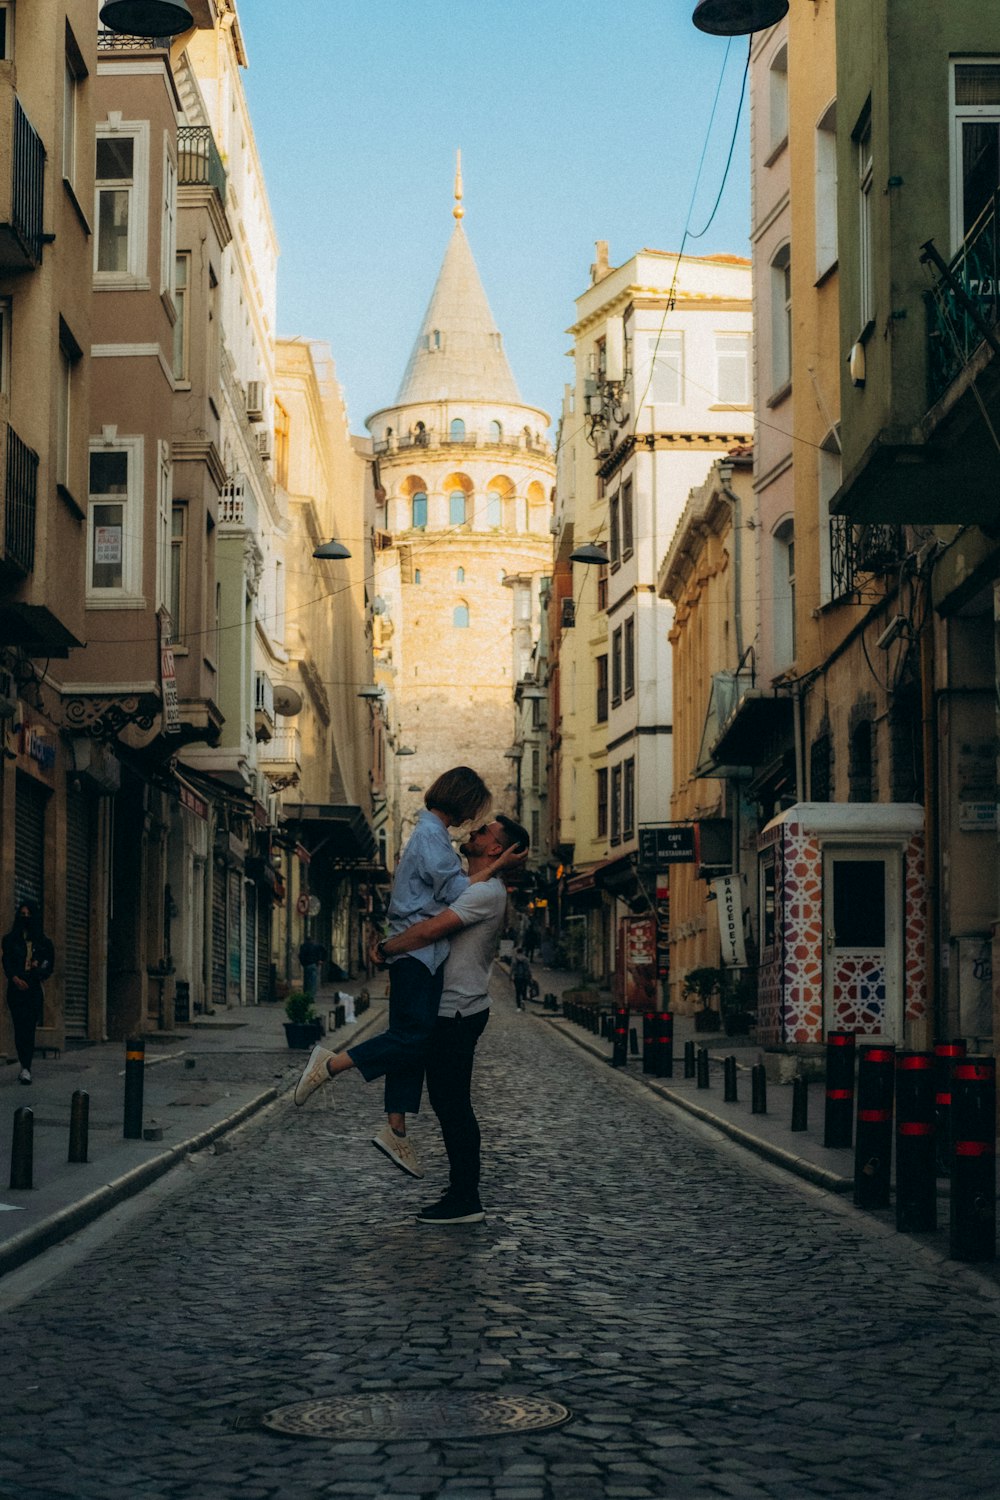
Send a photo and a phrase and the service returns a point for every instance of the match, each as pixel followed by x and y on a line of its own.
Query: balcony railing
pixel 515 443
pixel 20 492
pixel 858 552
pixel 264 694
pixel 953 334
pixel 283 752
pixel 118 41
pixel 198 161
pixel 22 187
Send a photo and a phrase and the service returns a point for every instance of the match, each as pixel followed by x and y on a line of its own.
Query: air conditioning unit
pixel 567 613
pixel 383 540
pixel 255 401
pixel 264 444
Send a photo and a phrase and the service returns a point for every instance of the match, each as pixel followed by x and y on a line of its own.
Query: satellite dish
pixel 287 700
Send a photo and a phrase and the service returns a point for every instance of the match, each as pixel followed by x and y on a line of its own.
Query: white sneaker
pixel 399 1149
pixel 313 1074
pixel 24 1076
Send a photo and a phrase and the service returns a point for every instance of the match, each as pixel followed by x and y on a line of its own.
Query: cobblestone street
pixel 715 1328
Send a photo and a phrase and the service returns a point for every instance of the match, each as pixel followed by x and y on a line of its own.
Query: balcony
pixel 520 442
pixel 860 552
pixel 281 759
pixel 263 706
pixel 19 501
pixel 21 186
pixel 237 506
pixel 118 41
pixel 198 161
pixel 964 300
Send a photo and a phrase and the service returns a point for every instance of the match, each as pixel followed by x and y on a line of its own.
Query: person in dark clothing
pixel 530 940
pixel 311 956
pixel 520 972
pixel 28 960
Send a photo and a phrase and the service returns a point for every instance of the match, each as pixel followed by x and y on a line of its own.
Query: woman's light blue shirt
pixel 428 878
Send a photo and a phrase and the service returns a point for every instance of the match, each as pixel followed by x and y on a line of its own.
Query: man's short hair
pixel 460 792
pixel 512 833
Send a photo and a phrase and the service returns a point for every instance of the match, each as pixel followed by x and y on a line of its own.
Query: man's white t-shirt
pixel 482 908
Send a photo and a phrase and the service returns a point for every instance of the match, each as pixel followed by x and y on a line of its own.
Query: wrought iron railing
pixel 28 188
pixel 198 159
pixel 858 552
pixel 20 500
pixel 118 41
pixel 953 334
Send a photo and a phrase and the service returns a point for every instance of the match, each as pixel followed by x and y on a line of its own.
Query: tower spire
pixel 458 211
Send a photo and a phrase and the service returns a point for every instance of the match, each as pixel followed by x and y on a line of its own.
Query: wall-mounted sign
pixel 727 899
pixel 168 689
pixel 670 845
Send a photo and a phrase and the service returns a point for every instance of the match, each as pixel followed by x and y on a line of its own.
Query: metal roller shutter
pixel 218 935
pixel 250 947
pixel 263 949
pixel 235 937
pixel 29 834
pixel 76 960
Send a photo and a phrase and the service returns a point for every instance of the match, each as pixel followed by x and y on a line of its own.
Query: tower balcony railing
pixel 488 441
pixel 861 552
pixel 953 332
pixel 198 161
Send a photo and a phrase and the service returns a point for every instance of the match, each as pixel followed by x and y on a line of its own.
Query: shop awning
pixel 725 694
pixel 759 724
pixel 607 875
pixel 341 833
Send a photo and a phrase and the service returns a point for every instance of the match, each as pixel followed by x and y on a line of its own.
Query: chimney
pixel 600 268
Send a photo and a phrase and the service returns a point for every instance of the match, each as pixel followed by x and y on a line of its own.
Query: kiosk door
pixel 863 947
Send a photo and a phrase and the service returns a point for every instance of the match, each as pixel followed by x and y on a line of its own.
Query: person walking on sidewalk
pixel 428 877
pixel 520 973
pixel 472 923
pixel 311 956
pixel 28 960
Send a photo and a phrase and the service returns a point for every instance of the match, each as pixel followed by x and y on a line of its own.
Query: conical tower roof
pixel 459 352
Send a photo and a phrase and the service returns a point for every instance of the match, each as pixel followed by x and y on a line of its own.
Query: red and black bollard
pixel 22 1149
pixel 916 1170
pixel 701 1068
pixel 79 1126
pixel 663 1043
pixel 649 1041
pixel 873 1142
pixel 619 1039
pixel 946 1054
pixel 758 1090
pixel 689 1060
pixel 973 1167
pixel 729 1093
pixel 800 1104
pixel 839 1117
pixel 135 1063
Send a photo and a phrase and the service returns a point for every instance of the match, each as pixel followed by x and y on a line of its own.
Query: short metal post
pixel 649 1041
pixel 633 1041
pixel 758 1090
pixel 800 1104
pixel 22 1149
pixel 916 1169
pixel 689 1062
pixel 619 1039
pixel 663 1032
pixel 973 1167
pixel 79 1126
pixel 135 1061
pixel 873 1140
pixel 701 1071
pixel 729 1093
pixel 839 1117
pixel 946 1054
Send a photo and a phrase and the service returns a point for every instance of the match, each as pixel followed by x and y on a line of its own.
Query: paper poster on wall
pixel 728 902
pixel 107 544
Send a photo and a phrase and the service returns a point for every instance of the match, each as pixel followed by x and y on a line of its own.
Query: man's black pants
pixel 449 1088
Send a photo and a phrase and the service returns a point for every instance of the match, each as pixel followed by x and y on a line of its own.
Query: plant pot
pixel 302 1035
pixel 737 1022
pixel 707 1020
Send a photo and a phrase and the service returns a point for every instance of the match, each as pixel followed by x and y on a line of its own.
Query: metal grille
pixel 28 186
pixel 250 947
pixel 20 498
pixel 198 159
pixel 76 964
pixel 383 1415
pixel 29 835
pixel 858 552
pixel 218 935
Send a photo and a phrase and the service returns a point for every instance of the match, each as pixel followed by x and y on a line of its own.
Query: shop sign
pixel 168 692
pixel 976 816
pixel 193 802
pixel 663 926
pixel 36 746
pixel 728 902
pixel 670 845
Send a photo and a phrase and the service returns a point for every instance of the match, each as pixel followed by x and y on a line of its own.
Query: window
pixel 69 353
pixel 536 828
pixel 168 227
pixel 778 100
pixel 732 369
pixel 164 510
pixel 602 586
pixel 178 570
pixel 665 358
pixel 460 617
pixel 416 576
pixel 182 329
pixel 616 530
pixel 5 318
pixel 494 510
pixel 459 575
pixel 602 688
pixel 826 192
pixel 866 260
pixel 628 798
pixel 114 564
pixel 975 142
pixel 820 769
pixel 457 430
pixel 602 803
pixel 120 208
pixel 784 594
pixel 456 508
pixel 73 70
pixel 627 522
pixel 768 904
pixel 829 466
pixel 861 763
pixel 616 667
pixel 781 319
pixel 496 432
pixel 6 31
pixel 616 804
pixel 536 769
pixel 419 511
pixel 629 656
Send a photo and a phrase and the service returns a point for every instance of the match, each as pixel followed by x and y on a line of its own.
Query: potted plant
pixel 303 1027
pixel 706 984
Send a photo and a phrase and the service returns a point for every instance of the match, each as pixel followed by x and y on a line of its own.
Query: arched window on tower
pixel 419 516
pixel 460 617
pixel 457 430
pixel 494 510
pixel 459 575
pixel 496 432
pixel 456 508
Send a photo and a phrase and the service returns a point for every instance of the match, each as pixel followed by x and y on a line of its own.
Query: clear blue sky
pixel 577 121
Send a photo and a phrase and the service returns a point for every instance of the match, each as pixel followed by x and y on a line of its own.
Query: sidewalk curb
pixel 818 1176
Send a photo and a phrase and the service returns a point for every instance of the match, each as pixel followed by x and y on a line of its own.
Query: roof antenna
pixel 458 210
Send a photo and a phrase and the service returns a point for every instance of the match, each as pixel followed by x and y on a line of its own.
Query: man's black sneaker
pixel 453 1211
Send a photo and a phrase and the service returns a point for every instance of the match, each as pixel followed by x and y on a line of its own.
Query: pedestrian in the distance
pixel 28 960
pixel 520 973
pixel 530 940
pixel 311 956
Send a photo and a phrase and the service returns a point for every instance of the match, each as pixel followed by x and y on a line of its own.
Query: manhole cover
pixel 457 1414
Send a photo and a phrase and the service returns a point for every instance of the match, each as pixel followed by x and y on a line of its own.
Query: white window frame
pixel 959 116
pixel 168 229
pixel 164 506
pixel 781 318
pixel 7 54
pixel 129 595
pixel 182 326
pixel 827 248
pixel 136 275
pixel 64 416
pixel 730 355
pixel 829 473
pixel 783 588
pixel 866 232
pixel 177 569
pixel 777 101
pixel 71 80
pixel 664 353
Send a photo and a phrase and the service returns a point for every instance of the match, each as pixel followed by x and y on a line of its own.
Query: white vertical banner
pixel 727 899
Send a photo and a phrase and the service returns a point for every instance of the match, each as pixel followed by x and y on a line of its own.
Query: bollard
pixel 663 1032
pixel 973 1167
pixel 649 1041
pixel 800 1104
pixel 916 1166
pixel 689 1063
pixel 701 1068
pixel 22 1149
pixel 839 1116
pixel 729 1094
pixel 873 1139
pixel 633 1042
pixel 758 1090
pixel 135 1058
pixel 619 1039
pixel 946 1055
pixel 79 1126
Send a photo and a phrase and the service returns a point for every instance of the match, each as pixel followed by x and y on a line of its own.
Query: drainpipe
pixel 931 850
pixel 725 468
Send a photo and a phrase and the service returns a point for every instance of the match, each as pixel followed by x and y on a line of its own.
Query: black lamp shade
pixel 147 17
pixel 738 17
pixel 589 554
pixel 332 551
